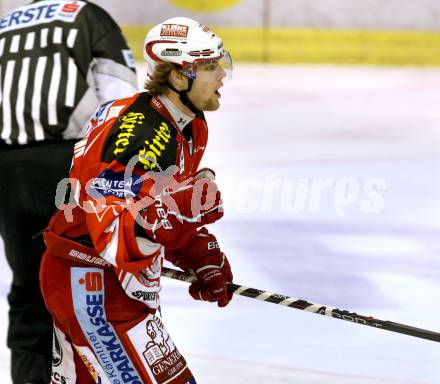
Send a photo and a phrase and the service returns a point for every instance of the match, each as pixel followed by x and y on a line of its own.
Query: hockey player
pixel 58 61
pixel 138 196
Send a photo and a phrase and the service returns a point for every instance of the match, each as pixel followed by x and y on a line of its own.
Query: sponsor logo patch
pixel 88 302
pixel 40 13
pixel 127 128
pixel 152 149
pixel 174 30
pixel 88 258
pixel 70 8
pixel 142 287
pixel 157 351
pixel 143 136
pixel 144 295
pixel 110 183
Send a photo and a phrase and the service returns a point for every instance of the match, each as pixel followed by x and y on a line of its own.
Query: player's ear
pixel 178 79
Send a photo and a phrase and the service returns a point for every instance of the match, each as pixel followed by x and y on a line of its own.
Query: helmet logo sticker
pixel 205 28
pixel 171 52
pixel 174 30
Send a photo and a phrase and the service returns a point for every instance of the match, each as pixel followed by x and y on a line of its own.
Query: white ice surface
pixel 281 132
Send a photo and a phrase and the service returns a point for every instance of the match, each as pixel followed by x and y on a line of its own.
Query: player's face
pixel 204 92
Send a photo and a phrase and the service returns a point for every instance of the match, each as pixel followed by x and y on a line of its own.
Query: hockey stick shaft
pixel 319 309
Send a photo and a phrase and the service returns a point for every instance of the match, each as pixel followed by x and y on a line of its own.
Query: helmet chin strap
pixel 183 96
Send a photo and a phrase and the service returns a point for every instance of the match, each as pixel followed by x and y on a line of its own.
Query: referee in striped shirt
pixel 58 61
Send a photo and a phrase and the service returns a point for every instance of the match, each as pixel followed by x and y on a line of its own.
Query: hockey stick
pixel 314 308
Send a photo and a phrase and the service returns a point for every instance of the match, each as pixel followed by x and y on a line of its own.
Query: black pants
pixel 28 179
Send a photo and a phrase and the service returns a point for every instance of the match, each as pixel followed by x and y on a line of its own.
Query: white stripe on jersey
pixel 110 251
pixel 71 38
pixel 9 74
pixel 2 45
pixel 53 90
pixel 72 71
pixel 58 35
pixel 93 141
pixel 15 44
pixel 30 41
pixel 36 98
pixel 125 280
pixel 79 147
pixel 19 106
pixel 78 154
pixel 43 37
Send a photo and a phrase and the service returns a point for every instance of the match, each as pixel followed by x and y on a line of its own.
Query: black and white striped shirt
pixel 56 59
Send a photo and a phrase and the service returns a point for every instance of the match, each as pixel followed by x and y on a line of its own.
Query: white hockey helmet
pixel 185 42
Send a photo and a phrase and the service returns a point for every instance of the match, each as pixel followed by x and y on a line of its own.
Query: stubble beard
pixel 210 105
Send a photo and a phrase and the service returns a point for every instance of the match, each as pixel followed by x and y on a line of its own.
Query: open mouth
pixel 217 90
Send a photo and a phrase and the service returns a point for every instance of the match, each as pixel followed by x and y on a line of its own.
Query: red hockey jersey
pixel 132 146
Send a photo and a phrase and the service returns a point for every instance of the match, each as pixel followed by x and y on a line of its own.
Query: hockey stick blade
pixel 319 309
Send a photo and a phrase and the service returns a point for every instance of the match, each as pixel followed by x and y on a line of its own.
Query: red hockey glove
pixel 175 213
pixel 202 255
